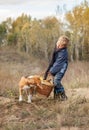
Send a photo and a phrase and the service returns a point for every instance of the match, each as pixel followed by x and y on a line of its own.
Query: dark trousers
pixel 57 80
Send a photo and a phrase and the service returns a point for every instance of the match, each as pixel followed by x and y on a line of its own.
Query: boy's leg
pixel 57 81
pixel 59 91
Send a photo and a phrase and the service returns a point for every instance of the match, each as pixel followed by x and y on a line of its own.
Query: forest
pixel 38 37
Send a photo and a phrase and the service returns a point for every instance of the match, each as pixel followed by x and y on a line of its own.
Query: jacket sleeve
pixel 58 64
pixel 50 65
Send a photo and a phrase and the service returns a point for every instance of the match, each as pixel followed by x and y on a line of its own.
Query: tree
pixel 78 20
pixel 52 31
pixel 2 33
pixel 20 29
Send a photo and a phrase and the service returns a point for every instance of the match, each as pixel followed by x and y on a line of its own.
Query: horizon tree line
pixel 38 37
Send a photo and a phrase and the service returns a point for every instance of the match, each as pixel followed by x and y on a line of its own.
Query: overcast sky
pixel 35 8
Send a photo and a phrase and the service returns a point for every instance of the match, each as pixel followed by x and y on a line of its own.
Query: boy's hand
pixel 50 74
pixel 46 75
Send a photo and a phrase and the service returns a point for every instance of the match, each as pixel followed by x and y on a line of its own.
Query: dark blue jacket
pixel 59 58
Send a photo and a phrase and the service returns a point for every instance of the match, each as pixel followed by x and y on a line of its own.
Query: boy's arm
pixel 50 65
pixel 46 73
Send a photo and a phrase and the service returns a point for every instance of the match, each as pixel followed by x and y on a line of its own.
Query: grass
pixel 76 113
pixel 42 113
pixel 77 75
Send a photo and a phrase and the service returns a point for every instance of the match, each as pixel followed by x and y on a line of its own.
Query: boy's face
pixel 62 42
pixel 60 46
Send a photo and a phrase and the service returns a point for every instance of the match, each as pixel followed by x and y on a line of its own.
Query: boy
pixel 58 66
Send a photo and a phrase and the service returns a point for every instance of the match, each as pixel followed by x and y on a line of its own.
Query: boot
pixel 56 94
pixel 63 96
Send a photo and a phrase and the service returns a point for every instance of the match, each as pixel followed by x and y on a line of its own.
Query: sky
pixel 35 8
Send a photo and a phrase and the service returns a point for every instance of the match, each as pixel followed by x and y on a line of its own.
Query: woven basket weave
pixel 46 88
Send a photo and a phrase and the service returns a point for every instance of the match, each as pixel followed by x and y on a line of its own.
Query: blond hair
pixel 62 41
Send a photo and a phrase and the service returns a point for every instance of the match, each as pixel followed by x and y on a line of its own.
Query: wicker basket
pixel 46 88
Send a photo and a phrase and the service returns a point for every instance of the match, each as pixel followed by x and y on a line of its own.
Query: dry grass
pixel 12 67
pixel 76 112
pixel 43 113
pixel 77 75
